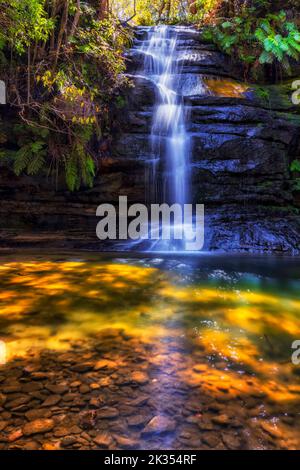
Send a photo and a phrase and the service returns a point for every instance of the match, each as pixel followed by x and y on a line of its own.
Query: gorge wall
pixel 243 141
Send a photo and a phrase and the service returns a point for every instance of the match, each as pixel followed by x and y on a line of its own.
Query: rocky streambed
pixel 115 392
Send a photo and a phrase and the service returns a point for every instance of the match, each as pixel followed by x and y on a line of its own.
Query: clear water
pixel 210 339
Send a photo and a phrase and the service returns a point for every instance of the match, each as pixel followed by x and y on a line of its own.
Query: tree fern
pixel 30 158
pixel 79 167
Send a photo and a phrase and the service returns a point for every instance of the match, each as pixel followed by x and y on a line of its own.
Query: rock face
pixel 242 147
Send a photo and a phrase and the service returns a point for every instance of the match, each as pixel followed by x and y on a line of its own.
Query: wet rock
pixel 39 376
pixel 68 441
pixel 65 430
pixel 14 388
pixel 2 399
pixel 68 397
pixel 139 401
pixel 15 435
pixel 126 442
pixel 94 386
pixel 32 387
pixel 143 94
pixel 84 389
pixel 107 413
pixel 3 425
pixel 200 368
pixel 51 401
pixel 231 441
pixel 138 420
pixel 141 378
pixel 159 424
pixel 87 419
pixel 50 446
pixel 205 424
pixel 222 419
pixel 211 439
pixel 271 428
pixel 34 414
pixel 82 368
pixel 103 440
pixel 57 389
pixel 17 402
pixel 38 426
pixel 105 364
pixel 25 445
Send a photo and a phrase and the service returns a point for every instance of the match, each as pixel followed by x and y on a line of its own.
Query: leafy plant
pixel 30 158
pixel 280 40
pixel 65 69
pixel 258 40
pixel 295 166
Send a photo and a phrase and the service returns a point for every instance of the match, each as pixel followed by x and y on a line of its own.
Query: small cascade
pixel 170 142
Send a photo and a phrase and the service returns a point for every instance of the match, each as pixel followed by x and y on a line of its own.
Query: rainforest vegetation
pixel 64 68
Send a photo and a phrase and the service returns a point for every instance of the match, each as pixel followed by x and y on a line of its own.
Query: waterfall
pixel 167 163
pixel 169 139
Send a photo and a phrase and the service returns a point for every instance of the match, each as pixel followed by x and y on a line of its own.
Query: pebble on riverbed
pixel 128 403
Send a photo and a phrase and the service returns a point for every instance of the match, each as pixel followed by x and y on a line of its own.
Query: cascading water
pixel 169 139
pixel 168 171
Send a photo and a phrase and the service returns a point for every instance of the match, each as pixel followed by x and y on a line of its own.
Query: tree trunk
pixel 62 30
pixel 76 19
pixel 103 9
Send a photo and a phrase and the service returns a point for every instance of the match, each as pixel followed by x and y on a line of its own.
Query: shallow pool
pixel 182 352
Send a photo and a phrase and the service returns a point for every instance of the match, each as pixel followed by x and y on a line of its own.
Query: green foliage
pixel 258 40
pixel 65 71
pixel 280 40
pixel 30 158
pixel 295 166
pixel 79 167
pixel 27 22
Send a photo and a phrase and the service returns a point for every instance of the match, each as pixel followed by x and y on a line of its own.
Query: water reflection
pixel 215 344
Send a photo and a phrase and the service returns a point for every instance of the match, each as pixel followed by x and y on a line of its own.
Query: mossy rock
pixel 277 97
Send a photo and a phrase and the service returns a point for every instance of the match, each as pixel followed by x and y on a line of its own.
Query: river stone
pixel 13 388
pixel 271 429
pixel 139 401
pixel 159 424
pixel 25 445
pixel 83 389
pixel 140 378
pixel 3 425
pixel 17 402
pixel 2 399
pixel 32 387
pixel 107 413
pixel 82 368
pixel 39 426
pixel 103 440
pixel 222 419
pixel 68 441
pixel 105 364
pixel 15 435
pixel 51 401
pixel 138 420
pixel 231 441
pixel 57 389
pixel 211 439
pixel 126 442
pixel 34 414
pixel 64 430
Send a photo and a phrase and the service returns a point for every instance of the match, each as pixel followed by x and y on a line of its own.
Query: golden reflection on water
pixel 49 305
pixel 226 87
